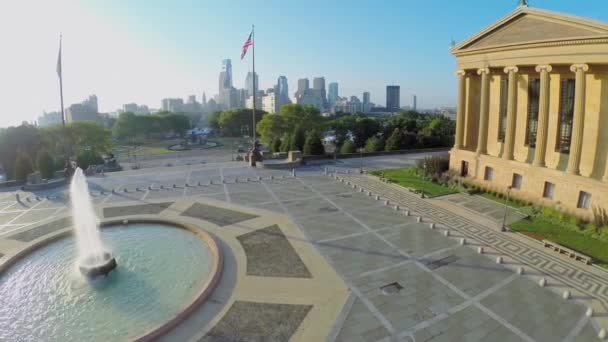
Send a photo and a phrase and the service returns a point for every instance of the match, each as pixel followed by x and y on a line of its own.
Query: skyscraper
pixel 303 86
pixel 281 92
pixel 414 104
pixel 318 85
pixel 366 106
pixel 392 98
pixel 249 83
pixel 225 85
pixel 332 95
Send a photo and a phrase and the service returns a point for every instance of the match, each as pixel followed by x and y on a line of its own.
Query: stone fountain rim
pixel 207 288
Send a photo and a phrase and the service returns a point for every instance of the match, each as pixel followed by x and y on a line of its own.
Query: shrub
pixel 600 217
pixel 275 145
pixel 393 142
pixel 433 165
pixel 45 163
pixel 23 166
pixel 348 147
pixel 87 158
pixel 374 144
pixel 313 144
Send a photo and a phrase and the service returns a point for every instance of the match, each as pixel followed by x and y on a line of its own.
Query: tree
pixel 342 126
pixel 275 146
pixel 348 147
pixel 23 166
pixel 24 139
pixel 125 126
pixel 271 126
pixel 364 128
pixel 393 143
pixel 237 122
pixel 374 144
pixel 286 143
pixel 299 139
pixel 45 164
pixel 313 144
pixel 87 158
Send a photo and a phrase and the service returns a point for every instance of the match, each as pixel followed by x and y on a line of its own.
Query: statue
pixel 523 3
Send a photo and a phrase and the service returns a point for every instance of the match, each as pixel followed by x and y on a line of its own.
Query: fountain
pixel 93 259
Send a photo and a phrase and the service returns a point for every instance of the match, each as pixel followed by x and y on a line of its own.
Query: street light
pixel 423 180
pixel 361 166
pixel 503 228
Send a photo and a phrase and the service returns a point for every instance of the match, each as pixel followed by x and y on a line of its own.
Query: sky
pixel 145 50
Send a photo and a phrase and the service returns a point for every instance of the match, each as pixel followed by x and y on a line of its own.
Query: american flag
pixel 247 44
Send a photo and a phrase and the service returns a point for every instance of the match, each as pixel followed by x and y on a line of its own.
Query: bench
pixel 567 251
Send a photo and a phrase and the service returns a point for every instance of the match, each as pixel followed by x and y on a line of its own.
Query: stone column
pixel 461 110
pixel 543 116
pixel 511 112
pixel 482 137
pixel 578 122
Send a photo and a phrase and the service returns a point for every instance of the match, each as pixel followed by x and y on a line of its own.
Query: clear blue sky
pixel 141 51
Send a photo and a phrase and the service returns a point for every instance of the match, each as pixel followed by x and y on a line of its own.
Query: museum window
pixel 533 107
pixel 566 113
pixel 502 114
pixel 517 180
pixel 549 190
pixel 584 200
pixel 488 174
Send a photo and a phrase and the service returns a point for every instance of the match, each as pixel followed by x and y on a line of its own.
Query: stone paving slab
pixel 485 207
pixel 41 230
pixel 416 239
pixel 541 314
pixel 250 197
pixel 35 216
pixel 360 325
pixel 308 207
pixel 355 255
pixel 7 217
pixel 141 209
pixel 217 215
pixel 421 298
pixel 376 217
pixel 471 325
pixel 269 254
pixel 258 322
pixel 329 226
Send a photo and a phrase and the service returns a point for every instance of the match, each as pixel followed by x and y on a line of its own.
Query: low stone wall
pixel 53 183
pixel 280 165
pixel 11 183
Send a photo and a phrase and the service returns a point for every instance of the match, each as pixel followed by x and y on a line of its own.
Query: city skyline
pixel 135 53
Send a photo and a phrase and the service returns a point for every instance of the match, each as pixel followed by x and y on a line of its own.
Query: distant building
pixel 81 112
pixel 249 83
pixel 414 104
pixel 49 119
pixel 281 91
pixel 136 109
pixel 91 102
pixel 172 105
pixel 270 103
pixel 354 105
pixel 318 85
pixel 310 97
pixel 367 104
pixel 332 95
pixel 303 86
pixel 227 93
pixel 241 98
pixel 392 98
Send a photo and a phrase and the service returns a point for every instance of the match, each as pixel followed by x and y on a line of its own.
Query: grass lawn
pixel 511 203
pixel 541 229
pixel 408 178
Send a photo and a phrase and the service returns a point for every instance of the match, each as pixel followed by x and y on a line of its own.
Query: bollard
pixel 162 187
pixel 236 180
pixel 432 225
pixel 566 294
pixel 602 334
pixel 271 177
pixel 446 232
pixel 407 213
pixel 125 190
pixel 360 189
pixel 354 186
pixel 199 183
pixel 28 199
pixel 293 172
pixel 18 197
pixel 369 194
pixel 480 250
pixel 259 178
pixel 542 282
pixel 386 202
pixel 419 219
pixel 125 221
pixel 38 198
pixel 377 198
pixel 520 270
pixel 397 207
pixel 325 171
pixel 247 179
pixel 463 241
pixel 589 312
pixel 150 187
pixel 114 190
pixel 282 176
pixel 499 260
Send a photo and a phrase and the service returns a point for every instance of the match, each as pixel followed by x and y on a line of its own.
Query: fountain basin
pixel 92 268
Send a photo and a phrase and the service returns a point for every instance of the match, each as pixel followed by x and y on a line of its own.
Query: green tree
pixel 286 142
pixel 236 122
pixel 374 144
pixel 393 143
pixel 45 164
pixel 275 146
pixel 342 126
pixel 87 158
pixel 364 128
pixel 313 144
pixel 299 139
pixel 271 126
pixel 24 139
pixel 23 166
pixel 348 147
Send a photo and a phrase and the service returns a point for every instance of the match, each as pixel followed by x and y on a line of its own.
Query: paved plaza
pixel 405 281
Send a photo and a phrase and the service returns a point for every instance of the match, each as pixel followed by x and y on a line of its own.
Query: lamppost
pixel 503 228
pixel 361 158
pixel 423 180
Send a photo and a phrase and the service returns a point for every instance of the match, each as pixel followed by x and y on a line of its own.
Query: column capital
pixel 577 67
pixel 511 69
pixel 483 71
pixel 461 72
pixel 545 67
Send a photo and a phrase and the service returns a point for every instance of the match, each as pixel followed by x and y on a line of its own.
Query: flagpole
pixel 61 84
pixel 255 93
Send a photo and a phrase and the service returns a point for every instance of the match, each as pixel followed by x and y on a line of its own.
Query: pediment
pixel 527 25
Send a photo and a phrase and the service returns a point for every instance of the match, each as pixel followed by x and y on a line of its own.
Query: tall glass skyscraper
pixel 392 98
pixel 332 95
